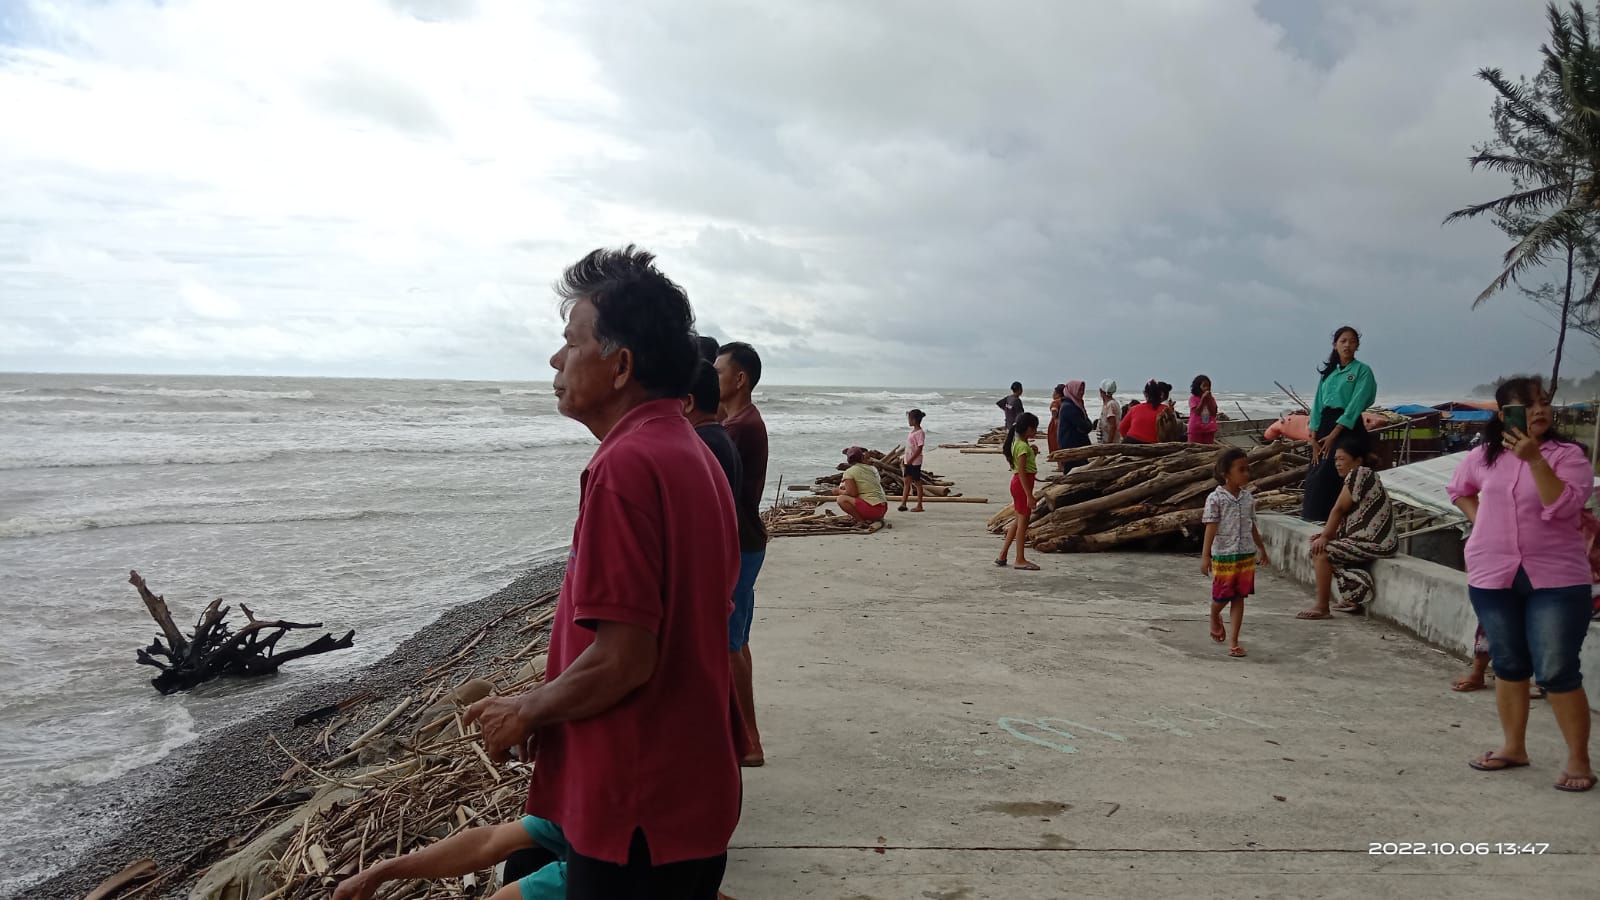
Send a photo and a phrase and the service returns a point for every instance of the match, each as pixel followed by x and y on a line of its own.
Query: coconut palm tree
pixel 1548 144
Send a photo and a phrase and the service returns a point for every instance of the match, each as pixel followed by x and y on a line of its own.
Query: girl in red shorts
pixel 1024 459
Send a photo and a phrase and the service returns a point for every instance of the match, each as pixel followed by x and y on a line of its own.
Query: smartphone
pixel 1516 417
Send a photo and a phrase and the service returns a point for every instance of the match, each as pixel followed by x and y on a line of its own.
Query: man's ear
pixel 624 369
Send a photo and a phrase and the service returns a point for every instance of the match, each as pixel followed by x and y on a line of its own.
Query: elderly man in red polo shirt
pixel 635 747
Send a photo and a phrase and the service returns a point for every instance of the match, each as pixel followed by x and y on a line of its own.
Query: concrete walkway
pixel 940 728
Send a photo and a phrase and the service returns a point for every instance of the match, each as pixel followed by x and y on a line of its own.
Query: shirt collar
pixel 636 418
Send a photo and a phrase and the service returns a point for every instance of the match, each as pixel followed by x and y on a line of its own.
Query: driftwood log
pixel 215 649
pixel 1124 495
pixel 891 475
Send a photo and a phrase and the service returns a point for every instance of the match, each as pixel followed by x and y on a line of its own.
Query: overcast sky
pixel 893 192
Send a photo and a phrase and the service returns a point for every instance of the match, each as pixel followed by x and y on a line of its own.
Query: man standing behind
pixel 632 736
pixel 739 371
pixel 1011 404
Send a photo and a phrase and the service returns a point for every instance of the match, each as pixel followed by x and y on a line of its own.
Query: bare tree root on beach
pixel 215 650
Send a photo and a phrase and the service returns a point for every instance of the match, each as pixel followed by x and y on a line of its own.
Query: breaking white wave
pixel 202 393
pixel 35 526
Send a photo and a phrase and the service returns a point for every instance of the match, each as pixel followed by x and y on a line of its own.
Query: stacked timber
pixel 808 520
pixel 994 436
pixel 891 474
pixel 1138 493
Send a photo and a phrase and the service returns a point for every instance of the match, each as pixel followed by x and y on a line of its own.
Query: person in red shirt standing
pixel 739 370
pixel 636 759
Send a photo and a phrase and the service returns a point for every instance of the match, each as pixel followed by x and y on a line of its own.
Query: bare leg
pixel 905 493
pixel 921 493
pixel 1011 535
pixel 1022 540
pixel 1475 678
pixel 1572 714
pixel 1218 632
pixel 744 694
pixel 1235 624
pixel 848 505
pixel 1324 588
pixel 1511 697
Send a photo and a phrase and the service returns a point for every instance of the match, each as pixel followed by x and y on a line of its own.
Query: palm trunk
pixel 1561 327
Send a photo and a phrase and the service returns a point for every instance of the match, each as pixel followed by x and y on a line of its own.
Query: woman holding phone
pixel 1347 388
pixel 1528 572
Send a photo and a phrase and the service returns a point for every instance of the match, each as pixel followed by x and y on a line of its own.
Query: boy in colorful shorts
pixel 1232 546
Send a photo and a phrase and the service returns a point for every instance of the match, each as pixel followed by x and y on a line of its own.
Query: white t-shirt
pixel 1235 518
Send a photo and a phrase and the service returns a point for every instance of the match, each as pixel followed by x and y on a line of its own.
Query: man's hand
pixel 504 724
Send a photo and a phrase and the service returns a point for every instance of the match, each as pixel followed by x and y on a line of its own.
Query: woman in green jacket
pixel 1347 388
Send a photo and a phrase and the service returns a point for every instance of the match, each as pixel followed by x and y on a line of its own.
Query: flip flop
pixel 1236 652
pixel 1351 609
pixel 1589 783
pixel 1219 634
pixel 1001 563
pixel 1482 763
pixel 1313 614
pixel 1466 687
pixel 1030 567
pixel 902 509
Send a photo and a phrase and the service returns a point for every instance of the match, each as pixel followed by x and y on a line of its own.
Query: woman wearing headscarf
pixel 1056 399
pixel 1074 425
pixel 1110 413
pixel 1347 388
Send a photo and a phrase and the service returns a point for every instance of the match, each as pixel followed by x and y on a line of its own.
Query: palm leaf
pixel 1520 202
pixel 1533 249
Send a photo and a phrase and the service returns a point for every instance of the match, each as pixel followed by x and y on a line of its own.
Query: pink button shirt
pixel 1515 529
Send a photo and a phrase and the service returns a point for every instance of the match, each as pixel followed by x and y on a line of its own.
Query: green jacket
pixel 1351 388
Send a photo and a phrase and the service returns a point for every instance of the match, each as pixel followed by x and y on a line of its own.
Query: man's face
pixel 729 377
pixel 585 378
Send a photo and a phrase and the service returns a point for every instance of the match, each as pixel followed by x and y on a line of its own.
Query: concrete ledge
pixel 1426 599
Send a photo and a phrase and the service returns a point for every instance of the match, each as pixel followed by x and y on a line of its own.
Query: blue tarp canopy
pixel 1470 415
pixel 1415 409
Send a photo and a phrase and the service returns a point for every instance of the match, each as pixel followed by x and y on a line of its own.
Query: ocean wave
pixel 881 396
pixel 33 526
pixel 519 392
pixel 97 456
pixel 202 393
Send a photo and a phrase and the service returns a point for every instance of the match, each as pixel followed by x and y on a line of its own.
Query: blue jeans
pixel 1535 633
pixel 744 600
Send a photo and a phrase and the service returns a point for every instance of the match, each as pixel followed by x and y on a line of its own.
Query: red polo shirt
pixel 656 545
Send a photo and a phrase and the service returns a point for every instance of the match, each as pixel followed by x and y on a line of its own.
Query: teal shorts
pixel 550 882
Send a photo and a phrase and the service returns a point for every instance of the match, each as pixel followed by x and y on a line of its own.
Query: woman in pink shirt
pixel 1202 412
pixel 1528 574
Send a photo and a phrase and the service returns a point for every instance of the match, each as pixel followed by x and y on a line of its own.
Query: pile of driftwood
pixel 214 649
pixel 995 436
pixel 806 518
pixel 359 793
pixel 891 475
pixel 1146 493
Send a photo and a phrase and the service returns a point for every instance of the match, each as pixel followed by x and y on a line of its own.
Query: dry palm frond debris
pixel 355 797
pixel 890 474
pixel 1130 494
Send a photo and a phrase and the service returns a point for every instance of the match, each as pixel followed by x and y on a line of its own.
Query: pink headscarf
pixel 1075 394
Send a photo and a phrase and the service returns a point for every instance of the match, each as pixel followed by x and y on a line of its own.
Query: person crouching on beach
pixel 1024 459
pixel 1232 546
pixel 860 492
pixel 911 466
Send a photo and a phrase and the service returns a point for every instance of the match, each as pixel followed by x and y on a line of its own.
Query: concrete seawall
pixel 1426 599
